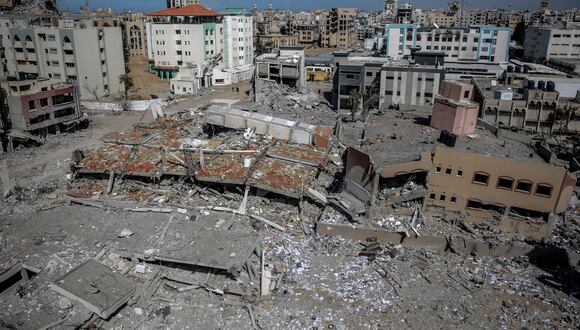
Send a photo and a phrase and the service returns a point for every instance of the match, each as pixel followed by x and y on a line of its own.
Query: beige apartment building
pixel 338 28
pixel 462 180
pixel 92 57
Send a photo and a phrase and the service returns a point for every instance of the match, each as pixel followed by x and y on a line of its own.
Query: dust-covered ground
pixel 320 282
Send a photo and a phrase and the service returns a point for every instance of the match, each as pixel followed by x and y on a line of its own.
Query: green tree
pixel 260 48
pixel 127 81
pixel 355 102
pixel 519 33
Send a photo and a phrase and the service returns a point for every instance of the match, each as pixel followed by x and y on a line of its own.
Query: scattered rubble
pixel 183 222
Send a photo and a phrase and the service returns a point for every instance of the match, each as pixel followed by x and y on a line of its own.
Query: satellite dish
pixel 435 25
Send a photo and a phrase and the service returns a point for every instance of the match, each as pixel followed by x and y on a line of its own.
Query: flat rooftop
pixel 398 137
pixel 488 89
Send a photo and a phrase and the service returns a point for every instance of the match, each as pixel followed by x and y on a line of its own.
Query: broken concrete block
pixel 64 303
pixel 96 287
pixel 140 268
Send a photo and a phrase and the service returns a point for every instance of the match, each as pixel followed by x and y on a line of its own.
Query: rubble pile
pixel 282 98
pixel 182 222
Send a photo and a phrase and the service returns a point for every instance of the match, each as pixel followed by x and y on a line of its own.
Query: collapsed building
pixel 268 203
pixel 285 67
pixel 285 165
pixel 404 160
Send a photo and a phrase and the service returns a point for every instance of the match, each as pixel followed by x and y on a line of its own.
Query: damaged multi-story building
pixel 338 29
pixel 476 176
pixel 37 107
pixel 67 50
pixel 286 67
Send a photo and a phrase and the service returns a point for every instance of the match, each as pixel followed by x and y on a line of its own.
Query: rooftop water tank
pixel 542 85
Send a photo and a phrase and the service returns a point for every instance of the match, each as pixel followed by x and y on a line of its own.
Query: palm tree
pixel 355 102
pixel 126 80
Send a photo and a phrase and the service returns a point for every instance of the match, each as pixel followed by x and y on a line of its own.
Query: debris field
pixel 180 222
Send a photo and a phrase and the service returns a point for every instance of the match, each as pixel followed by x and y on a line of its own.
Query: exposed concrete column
pixel 539 116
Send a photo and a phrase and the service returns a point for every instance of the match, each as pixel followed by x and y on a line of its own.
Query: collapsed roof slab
pixel 226 168
pixel 227 251
pixel 131 138
pixel 304 154
pixel 96 287
pixel 278 128
pixel 282 177
pixel 107 158
pixel 147 162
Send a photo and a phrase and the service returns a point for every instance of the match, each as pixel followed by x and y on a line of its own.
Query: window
pixel 43 103
pixel 481 178
pixel 505 183
pixel 453 199
pixel 442 197
pixel 31 105
pixel 438 169
pixel 51 37
pixel 543 189
pixel 524 186
pixel 448 171
pixel 432 196
pixel 466 94
pixel 459 172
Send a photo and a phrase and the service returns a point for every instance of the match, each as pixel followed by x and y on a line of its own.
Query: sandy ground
pixel 144 83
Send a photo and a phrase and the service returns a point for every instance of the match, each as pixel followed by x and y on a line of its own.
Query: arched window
pixel 66 40
pixel 524 186
pixel 16 38
pixel 505 182
pixel 481 178
pixel 544 190
pixel 28 38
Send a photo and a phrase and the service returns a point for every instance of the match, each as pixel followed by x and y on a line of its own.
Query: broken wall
pixel 422 165
pixel 361 178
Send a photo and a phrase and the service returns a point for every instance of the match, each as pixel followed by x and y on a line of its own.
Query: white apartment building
pixel 194 36
pixel 544 42
pixel 185 36
pixel 480 43
pixel 91 56
pixel 238 39
pixel 180 3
